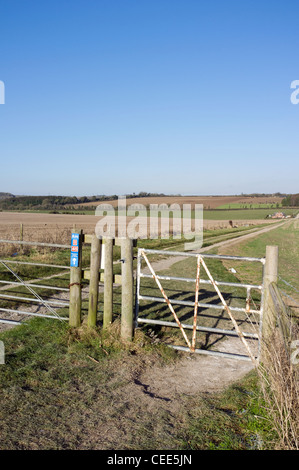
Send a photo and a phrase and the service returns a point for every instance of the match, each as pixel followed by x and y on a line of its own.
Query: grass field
pixel 244 214
pixel 287 239
pixel 67 389
pixel 244 205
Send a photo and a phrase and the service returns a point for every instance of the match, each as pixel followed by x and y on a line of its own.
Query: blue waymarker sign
pixel 75 250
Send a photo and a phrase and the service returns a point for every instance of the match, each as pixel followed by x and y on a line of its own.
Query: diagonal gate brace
pixel 236 326
pixel 191 344
pixel 166 299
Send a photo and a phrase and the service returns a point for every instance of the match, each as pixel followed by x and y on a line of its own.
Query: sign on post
pixel 75 280
pixel 75 250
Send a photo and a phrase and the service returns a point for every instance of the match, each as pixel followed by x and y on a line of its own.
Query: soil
pixel 198 373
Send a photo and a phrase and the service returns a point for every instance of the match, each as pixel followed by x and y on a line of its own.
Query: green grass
pixel 71 389
pixel 234 419
pixel 235 205
pixel 59 385
pixel 287 240
pixel 226 212
pixel 244 214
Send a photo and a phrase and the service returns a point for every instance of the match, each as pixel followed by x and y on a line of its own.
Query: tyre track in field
pixel 167 263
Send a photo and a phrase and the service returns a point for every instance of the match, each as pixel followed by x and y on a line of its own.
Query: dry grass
pixel 280 389
pixel 58 235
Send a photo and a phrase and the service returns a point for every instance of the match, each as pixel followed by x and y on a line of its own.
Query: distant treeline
pixel 292 200
pixel 59 202
pixel 10 202
pixel 6 195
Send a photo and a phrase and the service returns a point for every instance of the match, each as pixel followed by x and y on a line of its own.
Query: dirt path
pixel 199 373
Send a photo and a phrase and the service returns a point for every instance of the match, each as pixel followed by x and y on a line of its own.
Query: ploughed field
pixel 36 226
pixel 209 202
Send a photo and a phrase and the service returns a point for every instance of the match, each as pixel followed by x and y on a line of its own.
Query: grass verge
pixel 66 389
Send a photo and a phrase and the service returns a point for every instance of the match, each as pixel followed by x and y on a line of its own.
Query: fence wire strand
pixel 288 284
pixel 33 292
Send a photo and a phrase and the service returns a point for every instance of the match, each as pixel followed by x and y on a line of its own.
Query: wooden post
pixel 270 275
pixel 283 318
pixel 21 237
pixel 127 300
pixel 95 263
pixel 108 283
pixel 75 289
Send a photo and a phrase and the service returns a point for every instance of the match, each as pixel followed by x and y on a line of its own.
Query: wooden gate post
pixel 270 275
pixel 75 289
pixel 127 298
pixel 108 283
pixel 95 263
pixel 21 237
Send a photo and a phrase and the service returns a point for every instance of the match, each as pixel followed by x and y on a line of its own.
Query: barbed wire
pixel 288 284
pixel 291 298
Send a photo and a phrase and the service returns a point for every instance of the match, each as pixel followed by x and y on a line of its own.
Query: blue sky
pixel 172 96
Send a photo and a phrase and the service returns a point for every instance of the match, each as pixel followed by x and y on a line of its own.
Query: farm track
pixel 165 264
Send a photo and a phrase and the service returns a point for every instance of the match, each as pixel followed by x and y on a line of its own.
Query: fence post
pixel 270 275
pixel 75 289
pixel 95 263
pixel 127 297
pixel 108 283
pixel 21 237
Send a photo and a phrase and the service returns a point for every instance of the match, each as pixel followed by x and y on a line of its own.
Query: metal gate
pixel 195 327
pixel 51 306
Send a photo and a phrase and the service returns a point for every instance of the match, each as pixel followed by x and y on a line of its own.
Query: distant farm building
pixel 277 215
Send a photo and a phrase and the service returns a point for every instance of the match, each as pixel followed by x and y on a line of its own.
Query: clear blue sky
pixel 173 96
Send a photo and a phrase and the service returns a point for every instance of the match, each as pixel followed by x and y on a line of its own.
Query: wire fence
pixel 295 303
pixel 50 305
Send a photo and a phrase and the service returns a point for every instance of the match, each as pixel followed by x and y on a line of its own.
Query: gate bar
pixel 41 286
pixel 10 322
pixel 48 302
pixel 191 304
pixel 198 328
pixel 212 353
pixel 237 328
pixel 18 242
pixel 167 300
pixel 34 264
pixel 203 281
pixel 22 312
pixel 203 255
